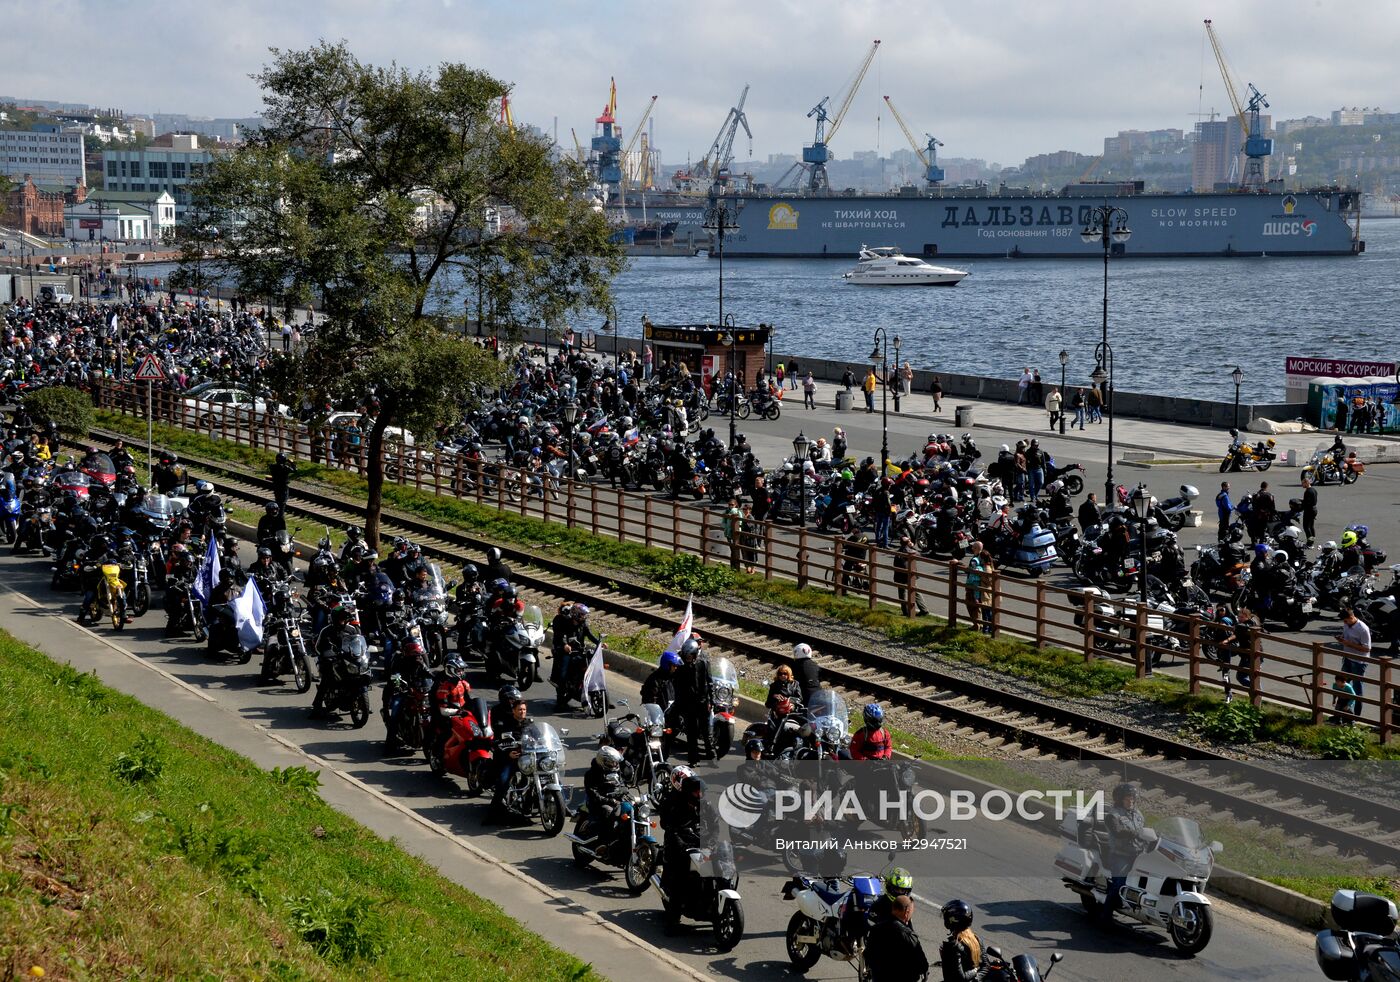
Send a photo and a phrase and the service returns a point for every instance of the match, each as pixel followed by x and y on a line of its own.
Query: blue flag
pixel 208 574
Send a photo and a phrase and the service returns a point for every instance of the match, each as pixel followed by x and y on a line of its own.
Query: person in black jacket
pixel 659 689
pixel 684 819
pixel 693 700
pixel 270 523
pixel 281 473
pixel 805 670
pixel 893 952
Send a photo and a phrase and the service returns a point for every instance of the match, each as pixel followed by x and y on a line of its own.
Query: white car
pixel 392 434
pixel 214 405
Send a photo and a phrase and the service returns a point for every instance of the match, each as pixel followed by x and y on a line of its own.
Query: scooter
pixel 1166 886
pixel 714 898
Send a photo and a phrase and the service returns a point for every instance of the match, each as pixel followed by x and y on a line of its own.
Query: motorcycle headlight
pixel 547 762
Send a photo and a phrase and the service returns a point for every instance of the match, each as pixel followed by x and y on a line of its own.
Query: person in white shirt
pixel 1023 387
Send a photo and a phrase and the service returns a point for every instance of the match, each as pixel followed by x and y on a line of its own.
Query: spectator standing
pixel 935 389
pixel 1355 642
pixel 809 391
pixel 1095 402
pixel 848 380
pixel 868 386
pixel 906 379
pixel 795 372
pixel 972 586
pixel 1224 507
pixel 1053 402
pixel 1309 510
pixel 1023 387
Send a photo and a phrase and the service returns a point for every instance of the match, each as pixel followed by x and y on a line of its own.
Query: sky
pixel 997 80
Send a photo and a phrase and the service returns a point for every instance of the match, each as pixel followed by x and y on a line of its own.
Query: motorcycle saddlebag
pixel 1363 913
pixel 1076 862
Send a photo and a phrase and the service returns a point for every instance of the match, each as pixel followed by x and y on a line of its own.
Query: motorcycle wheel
pixel 200 632
pixel 525 677
pixel 1073 483
pixel 1297 620
pixel 56 581
pixel 301 671
pixel 773 412
pixel 244 656
pixel 1225 465
pixel 435 763
pixel 743 411
pixel 552 812
pixel 1349 476
pixel 141 601
pixel 640 865
pixel 581 859
pixel 1265 465
pixel 473 779
pixel 722 737
pixel 437 648
pixel 359 711
pixel 1195 938
pixel 118 618
pixel 802 954
pixel 729 925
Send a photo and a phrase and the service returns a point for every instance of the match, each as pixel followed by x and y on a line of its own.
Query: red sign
pixel 149 370
pixel 89 223
pixel 1338 367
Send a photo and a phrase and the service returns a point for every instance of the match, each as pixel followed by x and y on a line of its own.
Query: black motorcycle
pixel 345 676
pixel 284 647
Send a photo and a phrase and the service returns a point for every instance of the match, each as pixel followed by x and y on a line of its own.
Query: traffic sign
pixel 149 370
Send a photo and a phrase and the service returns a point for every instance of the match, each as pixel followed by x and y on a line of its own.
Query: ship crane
pixel 928 154
pixel 722 150
pixel 632 143
pixel 815 157
pixel 1256 145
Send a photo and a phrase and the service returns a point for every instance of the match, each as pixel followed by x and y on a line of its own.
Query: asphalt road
pixel 1028 913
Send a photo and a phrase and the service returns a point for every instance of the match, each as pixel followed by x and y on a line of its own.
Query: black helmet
pixel 691 649
pixel 282 458
pixel 508 592
pixel 271 508
pixel 509 695
pixel 470 574
pixel 264 552
pixel 750 746
pixel 493 556
pixel 343 614
pixel 1123 790
pixel 957 916
pixel 693 788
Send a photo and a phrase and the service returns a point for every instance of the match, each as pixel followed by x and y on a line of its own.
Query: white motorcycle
pixel 1166 886
pixel 832 919
pixel 715 896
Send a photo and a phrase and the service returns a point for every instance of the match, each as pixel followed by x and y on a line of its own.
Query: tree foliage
pixel 68 407
pixel 371 193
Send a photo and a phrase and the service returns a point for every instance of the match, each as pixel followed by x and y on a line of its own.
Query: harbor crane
pixel 630 170
pixel 1256 145
pixel 715 163
pixel 815 157
pixel 928 154
pixel 506 119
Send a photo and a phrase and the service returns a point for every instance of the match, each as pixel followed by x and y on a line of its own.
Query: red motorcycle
pixel 468 750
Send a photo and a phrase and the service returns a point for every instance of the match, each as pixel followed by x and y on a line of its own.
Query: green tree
pixel 371 192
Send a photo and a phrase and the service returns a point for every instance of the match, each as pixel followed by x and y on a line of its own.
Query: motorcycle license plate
pixel 294 632
pixel 850 509
pixel 1307 606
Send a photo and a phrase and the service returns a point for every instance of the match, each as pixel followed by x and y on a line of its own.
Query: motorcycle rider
pixel 450 691
pixel 893 952
pixel 1059 508
pixel 694 700
pixel 659 688
pixel 266 573
pixel 203 506
pixel 270 523
pixel 166 475
pixel 783 686
pixel 506 754
pixel 378 598
pixel 496 568
pixel 872 741
pixel 805 670
pixel 684 818
pixel 1126 840
pixel 961 953
pixel 573 638
pixel 898 882
pixel 100 551
pixel 328 643
pixel 601 784
pixel 281 474
pixel 1088 512
pixel 500 713
pixel 394 565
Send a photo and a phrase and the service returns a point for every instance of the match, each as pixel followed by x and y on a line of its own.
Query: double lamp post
pixel 1107 225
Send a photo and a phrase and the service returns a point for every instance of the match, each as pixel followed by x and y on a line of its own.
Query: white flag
pixel 594 679
pixel 248 613
pixel 682 635
pixel 208 576
pixel 114 320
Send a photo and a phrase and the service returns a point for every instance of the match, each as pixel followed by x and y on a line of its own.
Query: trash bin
pixel 843 399
pixel 962 416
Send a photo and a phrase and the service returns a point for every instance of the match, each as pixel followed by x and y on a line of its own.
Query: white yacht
pixel 887 266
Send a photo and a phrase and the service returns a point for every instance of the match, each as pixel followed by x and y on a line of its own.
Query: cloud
pixel 999 80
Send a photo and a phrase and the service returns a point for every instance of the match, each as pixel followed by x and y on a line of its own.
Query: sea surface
pixel 1177 326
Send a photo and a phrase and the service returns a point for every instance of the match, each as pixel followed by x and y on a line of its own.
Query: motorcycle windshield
pixel 1181 830
pixel 98 465
pixel 541 738
pixel 722 672
pixel 828 710
pixel 435 589
pixel 533 618
pixel 157 507
pixel 651 715
pixel 72 479
pixel 7 486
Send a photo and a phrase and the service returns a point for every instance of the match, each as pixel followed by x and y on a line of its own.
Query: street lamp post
pixel 570 414
pixel 1108 226
pixel 800 446
pixel 1103 359
pixel 1238 376
pixel 880 354
pixel 1064 396
pixel 733 389
pixel 720 218
pixel 1142 507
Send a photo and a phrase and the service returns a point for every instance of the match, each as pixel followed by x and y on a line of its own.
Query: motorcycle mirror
pixel 623 703
pixel 1216 848
pixel 564 731
pixel 995 952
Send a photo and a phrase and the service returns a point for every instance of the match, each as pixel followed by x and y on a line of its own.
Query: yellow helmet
pixel 1348 539
pixel 1269 442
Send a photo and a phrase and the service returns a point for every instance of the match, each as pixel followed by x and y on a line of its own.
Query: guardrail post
pixel 768 551
pixel 911 597
pixel 1256 697
pixel 646 516
pixel 1319 685
pixel 802 558
pixel 953 567
pixel 1193 654
pixel 1040 613
pixel 1387 703
pixel 593 506
pixel 996 603
pixel 620 504
pixel 838 585
pixel 501 477
pixel 1087 599
pixel 872 568
pixel 676 525
pixel 1141 656
pixel 570 504
pixel 524 491
pixel 544 498
pixel 705 536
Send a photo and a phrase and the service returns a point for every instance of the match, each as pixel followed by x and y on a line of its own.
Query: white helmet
pixel 801 650
pixel 1292 532
pixel 1278 555
pixel 608 758
pixel 1330 545
pixel 679 774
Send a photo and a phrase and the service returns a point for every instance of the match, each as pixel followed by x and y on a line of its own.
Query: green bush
pixel 1343 743
pixel 143 763
pixel 685 573
pixel 69 408
pixel 1233 722
pixel 340 929
pixel 298 778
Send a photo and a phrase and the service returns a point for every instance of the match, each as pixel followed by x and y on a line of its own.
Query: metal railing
pixel 1272 668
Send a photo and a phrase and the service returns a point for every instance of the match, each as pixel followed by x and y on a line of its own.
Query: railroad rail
pixel 1038 728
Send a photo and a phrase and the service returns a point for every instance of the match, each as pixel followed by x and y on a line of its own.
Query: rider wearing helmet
pixel 658 689
pixel 573 641
pixel 1126 839
pixel 450 691
pixel 961 953
pixel 685 818
pixel 496 568
pixel 281 474
pixel 805 670
pixel 691 710
pixel 270 523
pixel 872 741
pixel 508 696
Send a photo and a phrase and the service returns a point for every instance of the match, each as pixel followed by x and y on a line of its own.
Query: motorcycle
pixel 283 549
pixel 1032 550
pixel 1326 466
pixel 406 712
pixel 184 612
pixel 724 689
pixel 348 688
pixel 536 789
pixel 832 919
pixel 715 898
pixel 1021 968
pixel 284 647
pixel 467 751
pixel 1166 887
pixel 1247 457
pixel 627 843
pixel 35 522
pixel 1072 475
pixel 644 749
pixel 825 734
pixel 1382 613
pixel 1172 513
pixel 1363 946
pixel 515 652
pixel 11 508
pixel 110 598
pixel 429 610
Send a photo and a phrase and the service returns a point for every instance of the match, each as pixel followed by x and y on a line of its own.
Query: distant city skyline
pixel 1002 81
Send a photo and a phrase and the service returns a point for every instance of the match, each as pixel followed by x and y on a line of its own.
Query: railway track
pixel 1016 724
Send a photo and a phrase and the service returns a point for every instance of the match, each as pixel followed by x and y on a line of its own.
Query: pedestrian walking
pixel 1355 643
pixel 935 389
pixel 1053 402
pixel 1095 400
pixel 1023 387
pixel 749 535
pixel 809 391
pixel 1309 510
pixel 794 371
pixel 869 388
pixel 972 587
pixel 1078 404
pixel 1224 507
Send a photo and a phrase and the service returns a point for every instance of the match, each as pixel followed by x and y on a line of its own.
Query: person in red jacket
pixel 450 691
pixel 872 741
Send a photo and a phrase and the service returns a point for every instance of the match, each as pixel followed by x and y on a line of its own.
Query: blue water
pixel 1177 326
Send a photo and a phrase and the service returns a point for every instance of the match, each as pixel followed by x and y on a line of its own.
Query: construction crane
pixel 721 153
pixel 578 147
pixel 815 157
pixel 1256 145
pixel 632 143
pixel 928 154
pixel 506 119
pixel 1089 171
